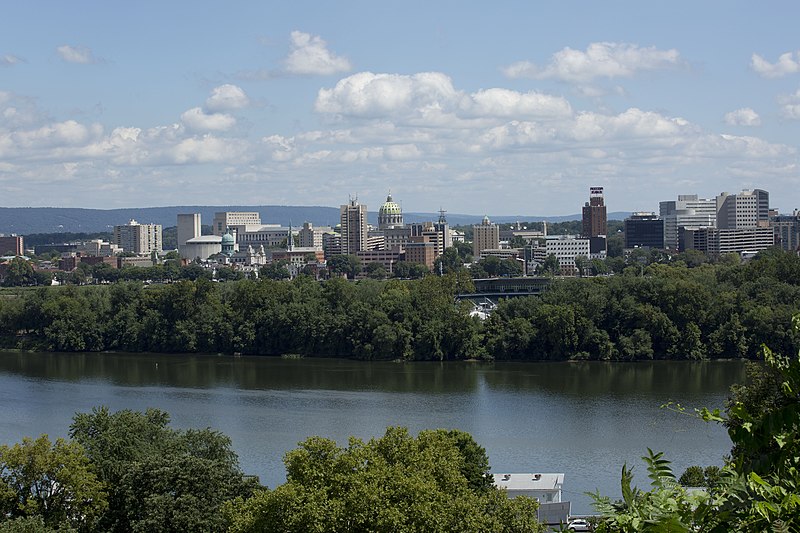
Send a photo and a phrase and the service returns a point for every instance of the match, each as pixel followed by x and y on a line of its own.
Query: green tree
pixel 348 265
pixel 435 482
pixel 53 481
pixel 276 270
pixel 375 270
pixel 19 272
pixel 158 478
pixel 550 266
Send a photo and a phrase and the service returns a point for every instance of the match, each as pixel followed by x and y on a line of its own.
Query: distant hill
pixel 26 220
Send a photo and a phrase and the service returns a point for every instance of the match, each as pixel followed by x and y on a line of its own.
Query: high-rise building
pixel 12 245
pixel 594 215
pixel 644 230
pixel 787 231
pixel 747 209
pixel 353 220
pixel 688 211
pixel 485 236
pixel 235 219
pixel 141 239
pixel 189 227
pixel 311 237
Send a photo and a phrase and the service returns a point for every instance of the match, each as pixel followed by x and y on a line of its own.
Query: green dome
pixel 227 239
pixel 390 207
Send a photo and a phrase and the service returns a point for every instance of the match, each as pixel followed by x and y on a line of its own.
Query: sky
pixel 508 108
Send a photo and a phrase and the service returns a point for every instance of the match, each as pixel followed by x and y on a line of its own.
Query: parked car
pixel 579 524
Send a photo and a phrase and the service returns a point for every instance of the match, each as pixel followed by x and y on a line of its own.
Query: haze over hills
pixel 26 220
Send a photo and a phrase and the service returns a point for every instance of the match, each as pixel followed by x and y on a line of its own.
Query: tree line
pixel 660 311
pixel 130 471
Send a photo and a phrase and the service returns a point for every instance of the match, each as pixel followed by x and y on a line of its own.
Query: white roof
pixel 543 482
pixel 205 239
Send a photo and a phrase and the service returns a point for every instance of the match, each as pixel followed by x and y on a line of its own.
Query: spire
pixel 290 239
pixel 442 218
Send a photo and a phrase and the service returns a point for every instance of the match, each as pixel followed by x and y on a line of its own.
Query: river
pixel 583 419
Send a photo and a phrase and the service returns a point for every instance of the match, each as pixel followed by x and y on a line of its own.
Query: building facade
pixel 141 239
pixel 11 245
pixel 485 236
pixel 235 219
pixel 644 230
pixel 354 229
pixel 594 217
pixel 747 209
pixel 787 231
pixel 688 211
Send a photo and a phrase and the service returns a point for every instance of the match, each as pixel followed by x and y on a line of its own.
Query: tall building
pixel 390 214
pixel 644 230
pixel 311 237
pixel 12 245
pixel 594 215
pixel 141 239
pixel 747 209
pixel 787 231
pixel 189 227
pixel 715 241
pixel 353 220
pixel 485 236
pixel 688 211
pixel 235 219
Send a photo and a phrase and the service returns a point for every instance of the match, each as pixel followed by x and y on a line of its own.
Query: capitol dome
pixel 390 214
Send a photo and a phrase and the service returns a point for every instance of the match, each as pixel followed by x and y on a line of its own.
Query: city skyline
pixel 516 110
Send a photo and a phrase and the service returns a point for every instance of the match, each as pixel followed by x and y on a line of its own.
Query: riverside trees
pixel 656 312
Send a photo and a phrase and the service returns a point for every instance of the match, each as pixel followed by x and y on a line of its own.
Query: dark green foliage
pixel 659 311
pixel 435 482
pixel 158 478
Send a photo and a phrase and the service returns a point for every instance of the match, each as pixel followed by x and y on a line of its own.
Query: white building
pixel 241 220
pixel 544 488
pixel 141 239
pixel 688 211
pixel 201 247
pixel 566 248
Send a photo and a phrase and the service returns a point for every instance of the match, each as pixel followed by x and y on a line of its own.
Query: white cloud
pixel 788 63
pixel 309 54
pixel 790 107
pixel 227 97
pixel 600 60
pixel 76 54
pixel 207 149
pixel 9 60
pixel 197 119
pixel 430 98
pixel 743 117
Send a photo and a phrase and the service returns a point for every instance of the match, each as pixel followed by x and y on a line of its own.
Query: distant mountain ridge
pixel 26 220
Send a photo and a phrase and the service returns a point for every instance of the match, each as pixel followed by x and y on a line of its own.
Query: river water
pixel 582 419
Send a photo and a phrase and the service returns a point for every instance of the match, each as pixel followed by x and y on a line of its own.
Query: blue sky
pixel 514 108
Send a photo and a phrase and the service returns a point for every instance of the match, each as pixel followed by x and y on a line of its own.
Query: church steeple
pixel 290 239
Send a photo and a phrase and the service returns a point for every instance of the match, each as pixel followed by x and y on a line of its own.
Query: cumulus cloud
pixel 197 119
pixel 76 54
pixel 9 60
pixel 790 105
pixel 788 63
pixel 226 98
pixel 600 60
pixel 743 117
pixel 309 54
pixel 430 98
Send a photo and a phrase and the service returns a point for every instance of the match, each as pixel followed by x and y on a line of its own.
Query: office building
pixel 243 221
pixel 688 211
pixel 141 239
pixel 11 245
pixel 594 220
pixel 747 209
pixel 715 241
pixel 644 230
pixel 311 237
pixel 787 231
pixel 354 229
pixel 485 236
